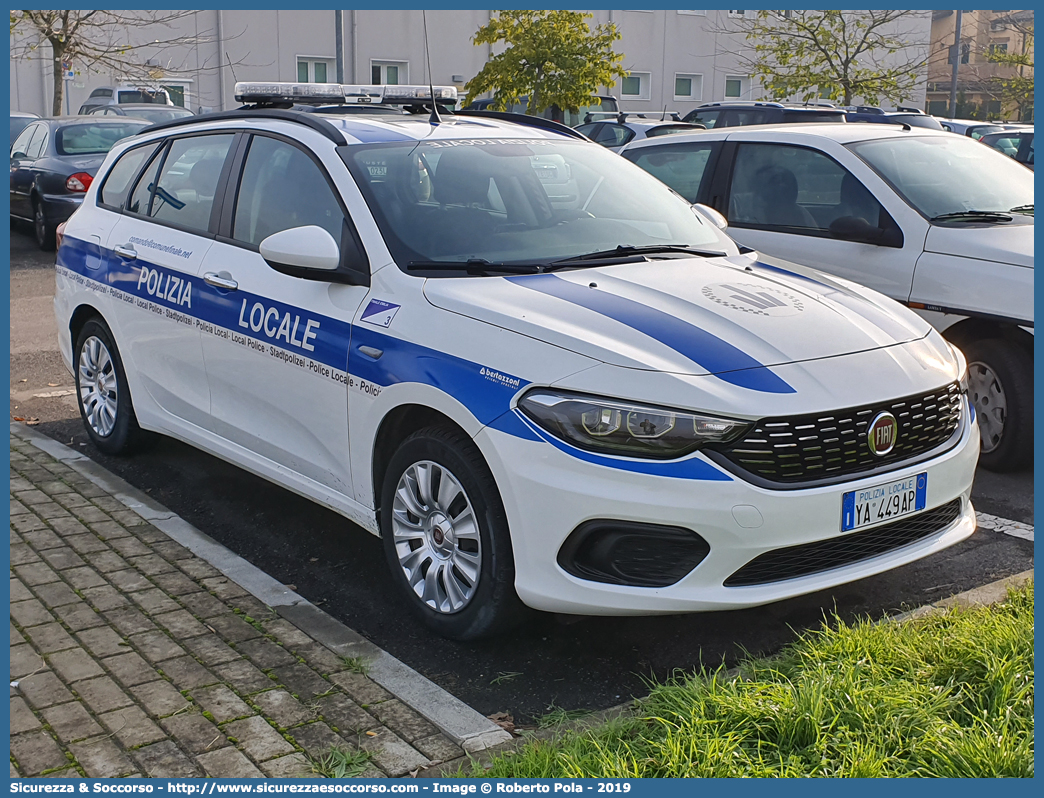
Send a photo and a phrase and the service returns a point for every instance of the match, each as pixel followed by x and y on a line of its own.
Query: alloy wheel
pixel 97 384
pixel 436 537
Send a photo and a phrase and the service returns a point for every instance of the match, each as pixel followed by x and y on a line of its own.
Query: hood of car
pixel 726 316
pixel 1001 243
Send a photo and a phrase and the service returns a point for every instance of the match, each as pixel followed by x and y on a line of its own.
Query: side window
pixel 36 146
pixel 682 167
pixel 588 130
pixel 708 118
pixel 738 118
pixel 783 186
pixel 1029 152
pixel 21 144
pixel 281 188
pixel 114 190
pixel 184 192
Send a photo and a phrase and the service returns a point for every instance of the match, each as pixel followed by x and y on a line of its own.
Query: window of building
pixel 314 70
pixel 997 48
pixel 688 87
pixel 737 87
pixel 965 53
pixel 737 14
pixel 389 73
pixel 636 86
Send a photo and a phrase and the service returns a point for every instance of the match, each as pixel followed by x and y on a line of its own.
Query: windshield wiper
pixel 625 250
pixel 472 266
pixel 1023 209
pixel 986 216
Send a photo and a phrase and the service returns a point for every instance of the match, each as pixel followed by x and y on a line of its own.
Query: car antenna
pixel 664 114
pixel 434 119
pixel 231 67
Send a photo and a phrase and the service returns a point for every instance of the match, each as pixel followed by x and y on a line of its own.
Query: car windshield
pixel 948 174
pixel 159 113
pixel 518 201
pixel 94 138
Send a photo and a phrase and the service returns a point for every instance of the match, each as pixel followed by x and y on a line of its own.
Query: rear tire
pixel 42 229
pixel 1000 388
pixel 446 537
pixel 104 398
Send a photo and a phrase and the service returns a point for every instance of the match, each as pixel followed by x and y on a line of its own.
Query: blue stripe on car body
pixel 484 391
pixel 719 357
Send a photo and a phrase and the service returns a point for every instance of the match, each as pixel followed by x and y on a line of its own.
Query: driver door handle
pixel 219 281
pixel 125 251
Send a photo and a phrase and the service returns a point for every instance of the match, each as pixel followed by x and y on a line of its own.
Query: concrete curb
pixel 467 727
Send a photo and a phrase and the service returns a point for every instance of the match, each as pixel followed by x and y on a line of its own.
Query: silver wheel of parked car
pixel 97 383
pixel 436 537
pixel 987 397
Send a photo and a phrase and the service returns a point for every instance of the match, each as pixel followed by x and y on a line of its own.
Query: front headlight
pixel 962 367
pixel 632 430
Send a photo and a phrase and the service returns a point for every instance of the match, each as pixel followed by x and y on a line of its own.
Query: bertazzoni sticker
pixel 379 312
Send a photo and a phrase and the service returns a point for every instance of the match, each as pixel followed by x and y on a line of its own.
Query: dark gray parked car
pixel 53 162
pixel 152 112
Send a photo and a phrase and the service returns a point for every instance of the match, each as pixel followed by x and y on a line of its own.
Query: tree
pixel 1016 88
pixel 552 56
pixel 95 40
pixel 837 55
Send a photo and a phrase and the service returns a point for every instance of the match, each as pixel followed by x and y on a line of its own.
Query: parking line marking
pixel 1016 529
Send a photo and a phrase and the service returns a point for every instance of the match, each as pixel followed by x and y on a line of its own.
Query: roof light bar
pixel 337 94
pixel 259 92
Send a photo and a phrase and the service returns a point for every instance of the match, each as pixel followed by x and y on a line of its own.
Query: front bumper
pixel 548 492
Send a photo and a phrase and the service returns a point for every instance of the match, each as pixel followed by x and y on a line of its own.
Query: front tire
pixel 446 536
pixel 101 387
pixel 1000 388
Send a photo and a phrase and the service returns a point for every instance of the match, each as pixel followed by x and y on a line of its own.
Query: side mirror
pixel 17 156
pixel 711 214
pixel 309 247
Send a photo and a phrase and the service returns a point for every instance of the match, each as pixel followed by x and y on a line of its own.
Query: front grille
pixel 812 558
pixel 824 445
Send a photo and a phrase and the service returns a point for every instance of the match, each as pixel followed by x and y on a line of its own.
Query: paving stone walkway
pixel 130 656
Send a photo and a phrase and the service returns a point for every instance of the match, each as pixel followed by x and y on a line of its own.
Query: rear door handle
pixel 126 251
pixel 220 281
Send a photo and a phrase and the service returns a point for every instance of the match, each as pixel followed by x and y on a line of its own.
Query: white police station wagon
pixel 539 374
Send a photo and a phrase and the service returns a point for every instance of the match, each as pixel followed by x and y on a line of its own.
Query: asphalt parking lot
pixel 572 663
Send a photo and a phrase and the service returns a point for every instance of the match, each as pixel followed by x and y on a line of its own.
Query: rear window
pixel 139 96
pixel 663 130
pixel 813 116
pixel 916 120
pixel 93 138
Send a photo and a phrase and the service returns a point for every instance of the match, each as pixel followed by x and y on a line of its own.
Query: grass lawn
pixel 950 694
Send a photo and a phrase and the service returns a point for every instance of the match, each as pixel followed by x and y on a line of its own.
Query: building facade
pixel 983 33
pixel 677 59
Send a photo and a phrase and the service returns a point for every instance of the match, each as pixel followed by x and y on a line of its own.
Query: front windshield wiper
pixel 472 266
pixel 1023 209
pixel 625 250
pixel 984 216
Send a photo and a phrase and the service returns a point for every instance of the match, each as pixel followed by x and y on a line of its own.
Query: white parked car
pixel 973 128
pixel 531 368
pixel 940 223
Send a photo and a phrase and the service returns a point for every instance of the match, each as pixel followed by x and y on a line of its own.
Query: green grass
pixel 556 716
pixel 340 763
pixel 947 695
pixel 356 664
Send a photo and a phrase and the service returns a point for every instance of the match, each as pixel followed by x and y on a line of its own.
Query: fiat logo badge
pixel 882 435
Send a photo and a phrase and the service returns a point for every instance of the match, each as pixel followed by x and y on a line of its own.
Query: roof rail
pixel 526 119
pixel 744 102
pixel 316 123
